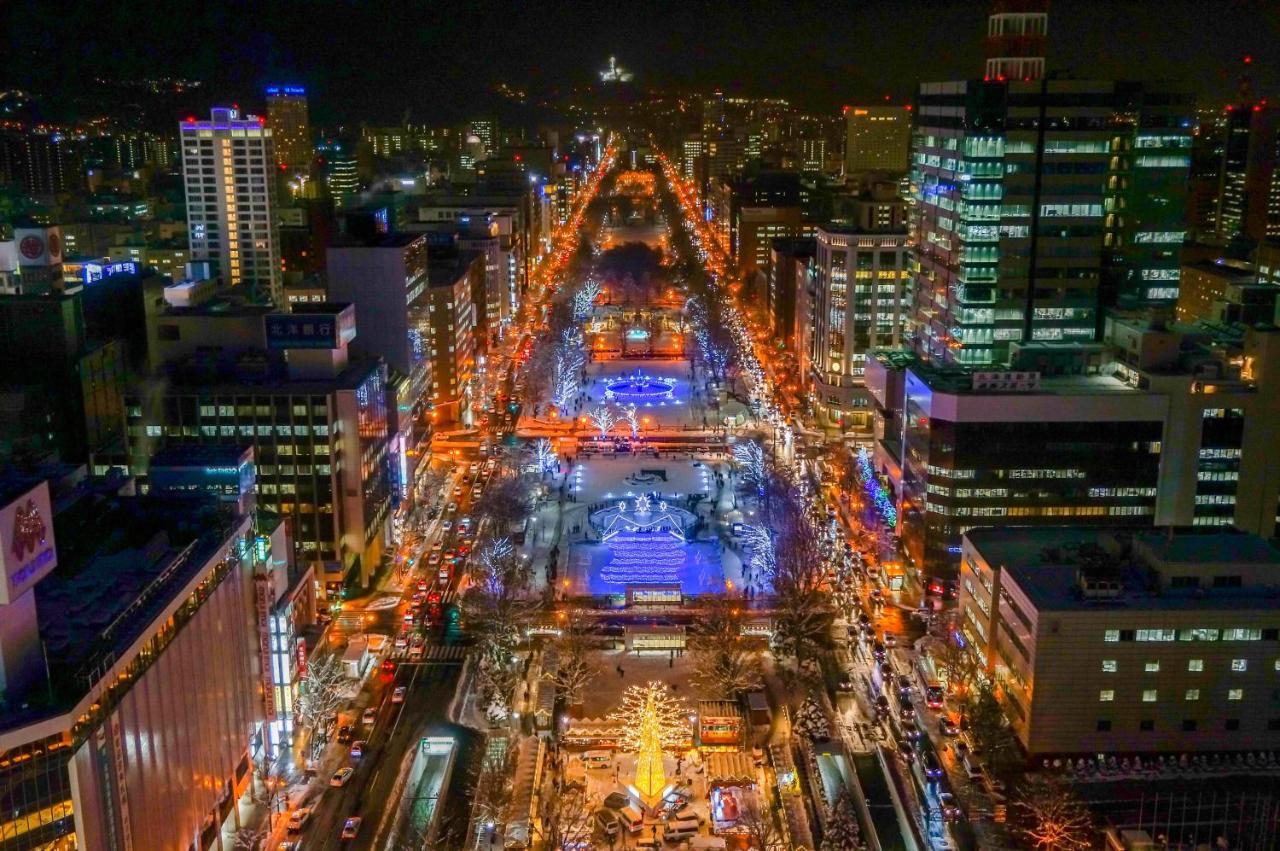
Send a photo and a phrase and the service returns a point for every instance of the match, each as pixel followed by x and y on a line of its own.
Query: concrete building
pixel 1160 426
pixel 790 265
pixel 316 418
pixel 1017 31
pixel 877 138
pixel 228 167
pixel 862 290
pixel 452 320
pixel 130 668
pixel 511 218
pixel 1248 180
pixel 1111 642
pixel 1205 287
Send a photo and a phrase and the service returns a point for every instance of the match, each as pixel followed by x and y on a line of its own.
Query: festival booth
pixel 731 778
pixel 653 638
pixel 719 725
pixel 589 733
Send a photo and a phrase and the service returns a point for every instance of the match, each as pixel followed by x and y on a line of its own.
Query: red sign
pixel 301 651
pixel 31 247
pixel 29 531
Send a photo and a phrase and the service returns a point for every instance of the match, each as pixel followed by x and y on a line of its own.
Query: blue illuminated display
pixel 286 90
pixel 98 271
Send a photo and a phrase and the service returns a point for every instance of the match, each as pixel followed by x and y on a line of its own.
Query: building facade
pixel 228 168
pixel 877 138
pixel 290 125
pixel 1106 642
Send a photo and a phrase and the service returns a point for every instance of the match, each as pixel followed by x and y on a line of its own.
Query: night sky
pixel 372 60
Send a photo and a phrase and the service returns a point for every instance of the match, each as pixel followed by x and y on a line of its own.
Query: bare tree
pixel 1051 817
pixel 577 667
pixel 491 795
pixel 499 607
pixel 757 820
pixel 842 832
pixel 320 694
pixel 250 838
pixel 957 663
pixel 725 662
pixel 566 820
pixel 504 502
pixel 803 613
pixel 990 727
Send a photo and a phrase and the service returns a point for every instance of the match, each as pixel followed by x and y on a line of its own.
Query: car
pixel 451 507
pixel 890 640
pixel 351 827
pixel 886 673
pixel 616 800
pixel 457 490
pixel 904 684
pixel 298 819
pixel 845 683
pixel 409 617
pixel 607 823
pixel 345 734
pixel 370 716
pixel 932 768
pixel 437 546
pixel 950 807
pixel 342 776
pixel 948 727
pixel 878 652
pixel 388 666
pixel 401 642
pixel 447 524
pixel 993 784
pixel 397 696
pixel 289 845
pixel 882 704
pixel 434 560
pixel 864 618
pixel 422 585
pixel 474 468
pixel 357 748
pixel 909 729
pixel 444 575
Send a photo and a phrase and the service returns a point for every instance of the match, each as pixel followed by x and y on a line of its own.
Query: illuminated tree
pixel 585 298
pixel 565 820
pixel 750 457
pixel 321 692
pixel 759 543
pixel 604 418
pixel 653 723
pixel 1052 817
pixel 544 454
pixel 631 413
pixel 842 832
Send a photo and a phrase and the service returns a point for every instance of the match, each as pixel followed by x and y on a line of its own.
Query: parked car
pixel 345 734
pixel 948 727
pixel 397 696
pixel 351 827
pixel 342 776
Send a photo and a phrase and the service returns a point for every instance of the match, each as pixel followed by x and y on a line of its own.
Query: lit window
pixel 1109 666
pixel 1193 694
pixel 1239 665
pixel 1149 695
pixel 1152 667
pixel 1198 665
pixel 1107 695
pixel 1235 694
pixel 1114 635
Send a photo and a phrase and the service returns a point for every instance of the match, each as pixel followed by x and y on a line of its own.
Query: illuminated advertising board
pixel 27 549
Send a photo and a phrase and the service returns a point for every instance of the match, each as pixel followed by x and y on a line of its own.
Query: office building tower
pixel 1017 186
pixel 290 129
pixel 130 666
pixel 452 320
pixel 1017 31
pixel 1249 182
pixel 486 132
pixel 42 163
pixel 1106 641
pixel 691 157
pixel 877 138
pixel 228 164
pixel 862 291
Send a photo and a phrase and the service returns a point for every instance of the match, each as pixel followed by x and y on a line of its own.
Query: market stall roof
pixel 730 769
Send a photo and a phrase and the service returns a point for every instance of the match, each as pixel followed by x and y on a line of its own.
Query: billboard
pixel 39 246
pixel 27 549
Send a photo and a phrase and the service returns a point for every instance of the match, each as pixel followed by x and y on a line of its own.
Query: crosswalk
pixel 451 654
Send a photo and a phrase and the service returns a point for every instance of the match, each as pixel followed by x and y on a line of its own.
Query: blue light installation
pixel 883 502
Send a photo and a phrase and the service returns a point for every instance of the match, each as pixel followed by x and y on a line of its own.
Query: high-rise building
pixel 42 163
pixel 1017 31
pixel 290 129
pixel 452 320
pixel 1020 214
pixel 1249 181
pixel 862 288
pixel 228 164
pixel 877 138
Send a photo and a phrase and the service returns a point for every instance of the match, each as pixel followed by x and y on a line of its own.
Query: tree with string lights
pixel 603 418
pixel 1051 817
pixel 632 415
pixel 749 455
pixel 653 722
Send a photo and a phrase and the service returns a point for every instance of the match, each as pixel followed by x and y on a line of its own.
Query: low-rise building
pixel 1108 641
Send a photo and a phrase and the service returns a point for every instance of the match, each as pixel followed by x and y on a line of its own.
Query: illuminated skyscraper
pixel 876 138
pixel 227 165
pixel 290 128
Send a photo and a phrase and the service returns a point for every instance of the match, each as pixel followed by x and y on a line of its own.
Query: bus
pixel 930 686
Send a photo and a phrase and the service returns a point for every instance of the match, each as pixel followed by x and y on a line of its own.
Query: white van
pixel 676 831
pixel 972 766
pixel 707 843
pixel 597 759
pixel 631 818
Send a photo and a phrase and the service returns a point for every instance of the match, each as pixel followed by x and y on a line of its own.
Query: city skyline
pixel 814 58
